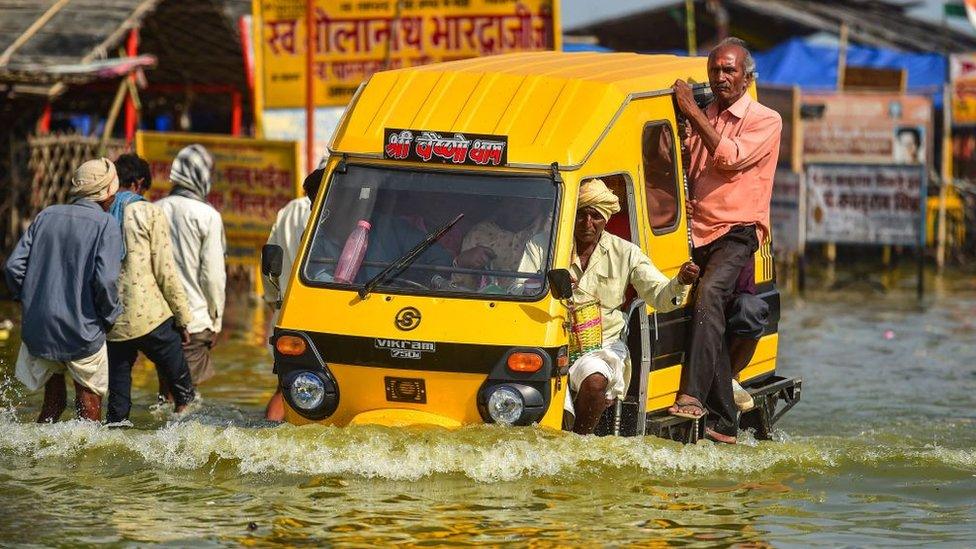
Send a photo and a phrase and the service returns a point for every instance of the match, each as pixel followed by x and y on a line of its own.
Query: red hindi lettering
pixel 399 146
pixel 484 152
pixel 518 29
pixel 351 34
pixel 425 146
pixel 453 149
pixel 282 39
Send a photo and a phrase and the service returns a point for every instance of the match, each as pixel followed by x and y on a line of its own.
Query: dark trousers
pixel 164 347
pixel 708 374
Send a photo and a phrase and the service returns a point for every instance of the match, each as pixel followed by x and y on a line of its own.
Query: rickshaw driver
pixel 734 147
pixel 499 241
pixel 603 266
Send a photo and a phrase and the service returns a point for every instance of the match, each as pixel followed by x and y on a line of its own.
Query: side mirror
pixel 560 283
pixel 272 256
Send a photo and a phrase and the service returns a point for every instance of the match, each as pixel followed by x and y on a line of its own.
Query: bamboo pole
pixel 842 56
pixel 113 115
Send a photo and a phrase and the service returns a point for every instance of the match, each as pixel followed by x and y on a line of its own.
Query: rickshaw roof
pixel 552 106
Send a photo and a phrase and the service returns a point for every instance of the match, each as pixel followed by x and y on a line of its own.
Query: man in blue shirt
pixel 64 272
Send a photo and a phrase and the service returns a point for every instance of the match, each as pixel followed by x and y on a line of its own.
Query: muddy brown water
pixel 880 452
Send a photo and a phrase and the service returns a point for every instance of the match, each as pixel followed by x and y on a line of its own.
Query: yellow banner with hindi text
pixel 356 38
pixel 252 180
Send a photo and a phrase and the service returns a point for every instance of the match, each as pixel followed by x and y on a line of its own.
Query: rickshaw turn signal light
pixel 290 345
pixel 524 362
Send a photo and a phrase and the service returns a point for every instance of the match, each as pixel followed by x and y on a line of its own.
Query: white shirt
pixel 614 265
pixel 287 233
pixel 198 248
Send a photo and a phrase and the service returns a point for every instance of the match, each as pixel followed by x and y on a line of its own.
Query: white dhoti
pixel 91 371
pixel 612 361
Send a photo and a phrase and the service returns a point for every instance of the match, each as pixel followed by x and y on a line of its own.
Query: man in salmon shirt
pixel 734 147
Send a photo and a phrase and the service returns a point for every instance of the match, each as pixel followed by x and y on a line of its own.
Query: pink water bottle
pixel 353 253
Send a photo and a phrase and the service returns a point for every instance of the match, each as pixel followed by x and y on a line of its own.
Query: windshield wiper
pixel 406 259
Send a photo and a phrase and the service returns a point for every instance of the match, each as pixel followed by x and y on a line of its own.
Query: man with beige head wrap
pixel 602 268
pixel 64 272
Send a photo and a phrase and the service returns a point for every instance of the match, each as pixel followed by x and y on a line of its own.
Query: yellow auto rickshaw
pixel 382 324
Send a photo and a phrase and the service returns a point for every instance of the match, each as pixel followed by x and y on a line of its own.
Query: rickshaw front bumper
pixel 400 417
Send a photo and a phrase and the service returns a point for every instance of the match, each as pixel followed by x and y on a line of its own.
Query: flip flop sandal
pixel 688 415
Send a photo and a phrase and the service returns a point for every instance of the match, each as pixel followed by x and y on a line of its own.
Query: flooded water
pixel 880 452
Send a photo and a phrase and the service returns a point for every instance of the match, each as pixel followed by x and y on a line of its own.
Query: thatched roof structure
pixel 63 57
pixel 194 41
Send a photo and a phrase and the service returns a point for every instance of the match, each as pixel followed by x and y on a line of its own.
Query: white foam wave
pixel 486 454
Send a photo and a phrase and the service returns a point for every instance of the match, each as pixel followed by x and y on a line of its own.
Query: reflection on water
pixel 882 450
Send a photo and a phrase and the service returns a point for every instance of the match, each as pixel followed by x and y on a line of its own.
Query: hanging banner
pixel 866 128
pixel 356 39
pixel 962 70
pixel 856 204
pixel 252 180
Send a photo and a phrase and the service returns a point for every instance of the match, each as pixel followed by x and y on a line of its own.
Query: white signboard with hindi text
pixel 865 204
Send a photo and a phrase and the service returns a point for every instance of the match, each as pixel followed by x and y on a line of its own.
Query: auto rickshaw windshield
pixel 496 250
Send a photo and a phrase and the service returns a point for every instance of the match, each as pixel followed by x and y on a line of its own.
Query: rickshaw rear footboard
pixel 773 397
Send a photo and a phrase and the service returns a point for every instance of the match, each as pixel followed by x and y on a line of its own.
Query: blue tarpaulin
pixel 814 67
pixel 578 47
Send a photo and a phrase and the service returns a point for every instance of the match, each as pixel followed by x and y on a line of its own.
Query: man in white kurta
pixel 287 232
pixel 603 266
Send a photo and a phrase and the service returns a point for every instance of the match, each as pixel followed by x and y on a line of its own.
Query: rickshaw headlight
pixel 307 391
pixel 505 405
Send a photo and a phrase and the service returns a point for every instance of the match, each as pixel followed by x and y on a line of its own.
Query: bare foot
pixel 712 434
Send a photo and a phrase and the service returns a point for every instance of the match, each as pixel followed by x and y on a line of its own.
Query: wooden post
pixel 131 116
pixel 690 27
pixel 842 56
pixel 830 251
pixel 309 85
pixel 940 251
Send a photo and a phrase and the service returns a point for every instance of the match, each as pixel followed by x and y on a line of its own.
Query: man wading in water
pixel 64 271
pixel 155 309
pixel 734 147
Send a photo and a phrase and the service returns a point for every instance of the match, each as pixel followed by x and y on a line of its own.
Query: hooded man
pixel 198 248
pixel 64 271
pixel 602 268
pixel 155 308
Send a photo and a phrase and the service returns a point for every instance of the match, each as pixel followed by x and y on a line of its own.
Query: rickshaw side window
pixel 660 181
pixel 619 223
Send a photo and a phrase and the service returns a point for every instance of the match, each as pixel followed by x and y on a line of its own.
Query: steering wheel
pixel 407 282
